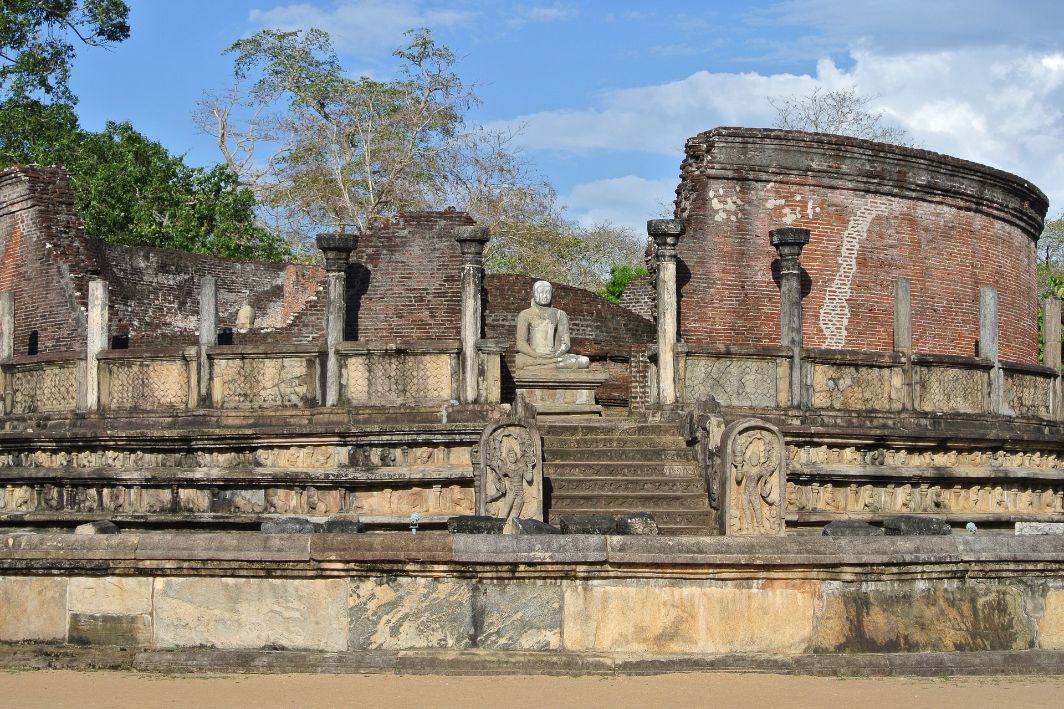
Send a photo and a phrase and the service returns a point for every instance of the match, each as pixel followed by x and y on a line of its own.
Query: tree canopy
pixel 841 112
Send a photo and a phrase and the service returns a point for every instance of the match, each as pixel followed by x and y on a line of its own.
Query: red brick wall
pixel 640 297
pixel 405 281
pixel 875 213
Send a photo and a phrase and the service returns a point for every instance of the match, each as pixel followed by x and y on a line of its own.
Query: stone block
pixel 342 525
pixel 400 613
pixel 1051 625
pixel 1039 528
pixel 887 617
pixel 103 629
pixel 588 524
pixel 518 615
pixel 382 547
pixel 32 608
pixel 69 546
pixel 224 547
pixel 678 617
pixel 100 526
pixel 562 549
pixel 851 528
pixel 475 524
pixel 289 525
pixel 637 523
pixel 109 595
pixel 235 613
pixel 913 525
pixel 534 526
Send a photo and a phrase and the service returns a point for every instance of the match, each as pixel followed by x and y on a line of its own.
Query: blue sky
pixel 605 93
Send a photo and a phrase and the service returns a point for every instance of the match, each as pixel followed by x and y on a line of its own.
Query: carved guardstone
pixel 510 469
pixel 754 477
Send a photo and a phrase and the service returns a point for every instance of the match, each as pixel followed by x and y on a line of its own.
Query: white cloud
pixel 523 15
pixel 627 201
pixel 1000 106
pixel 361 26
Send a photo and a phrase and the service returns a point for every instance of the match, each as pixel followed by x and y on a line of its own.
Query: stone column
pixel 208 333
pixel 7 346
pixel 337 249
pixel 988 346
pixel 96 341
pixel 666 234
pixel 788 243
pixel 903 336
pixel 471 239
pixel 1051 348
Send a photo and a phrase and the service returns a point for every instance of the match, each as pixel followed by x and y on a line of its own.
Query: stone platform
pixel 561 392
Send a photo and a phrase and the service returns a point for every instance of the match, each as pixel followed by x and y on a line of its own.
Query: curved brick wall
pixel 876 212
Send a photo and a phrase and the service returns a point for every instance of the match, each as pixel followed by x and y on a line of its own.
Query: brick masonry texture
pixel 876 213
pixel 640 297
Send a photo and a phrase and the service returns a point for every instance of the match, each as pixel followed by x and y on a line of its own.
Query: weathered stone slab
pixel 637 523
pixel 103 629
pixel 475 524
pixel 588 524
pixel 398 613
pixel 1039 528
pixel 381 547
pixel 32 608
pixel 68 546
pixel 343 525
pixel 232 546
pixel 109 595
pixel 851 528
pixel 534 526
pixel 886 617
pixel 251 613
pixel 1051 625
pixel 518 615
pixel 721 550
pixel 559 549
pixel 913 525
pixel 289 525
pixel 100 526
pixel 687 618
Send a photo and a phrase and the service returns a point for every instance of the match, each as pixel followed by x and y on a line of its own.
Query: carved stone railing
pixel 734 377
pixel 843 380
pixel 951 384
pixel 398 373
pixel 46 384
pixel 148 380
pixel 266 376
pixel 1028 390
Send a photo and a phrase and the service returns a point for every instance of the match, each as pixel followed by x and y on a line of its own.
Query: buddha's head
pixel 541 293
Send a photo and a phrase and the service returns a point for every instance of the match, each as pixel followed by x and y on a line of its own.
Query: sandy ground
pixel 113 690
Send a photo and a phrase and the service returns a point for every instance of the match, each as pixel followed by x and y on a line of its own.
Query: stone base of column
pixel 564 392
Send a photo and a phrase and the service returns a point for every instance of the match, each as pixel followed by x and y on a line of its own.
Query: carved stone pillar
pixel 208 334
pixel 988 346
pixel 471 239
pixel 666 234
pixel 1051 329
pixel 337 249
pixel 788 243
pixel 96 341
pixel 7 346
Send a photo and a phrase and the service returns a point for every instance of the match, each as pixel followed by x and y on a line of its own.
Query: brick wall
pixel 875 213
pixel 640 297
pixel 405 281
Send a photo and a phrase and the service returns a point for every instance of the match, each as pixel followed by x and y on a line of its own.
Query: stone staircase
pixel 613 466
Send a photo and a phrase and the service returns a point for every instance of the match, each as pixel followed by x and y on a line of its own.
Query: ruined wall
pixel 46 259
pixel 405 279
pixel 876 212
pixel 640 297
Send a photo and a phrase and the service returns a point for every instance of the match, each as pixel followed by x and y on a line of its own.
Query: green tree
pixel 620 277
pixel 37 42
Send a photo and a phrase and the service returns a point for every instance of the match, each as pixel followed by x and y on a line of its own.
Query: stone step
pixel 608 427
pixel 624 469
pixel 596 485
pixel 666 519
pixel 635 502
pixel 611 442
pixel 621 455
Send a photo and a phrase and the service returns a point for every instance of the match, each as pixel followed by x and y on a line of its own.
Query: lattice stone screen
pixel 249 382
pixel 152 384
pixel 857 388
pixel 45 387
pixel 731 381
pixel 390 378
pixel 1028 394
pixel 951 389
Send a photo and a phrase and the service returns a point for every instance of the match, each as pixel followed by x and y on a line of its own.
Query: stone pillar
pixel 788 243
pixel 96 341
pixel 1051 348
pixel 208 333
pixel 666 234
pixel 337 249
pixel 7 346
pixel 903 336
pixel 471 239
pixel 988 346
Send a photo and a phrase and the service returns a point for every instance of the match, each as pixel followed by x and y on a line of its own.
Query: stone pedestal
pixel 564 392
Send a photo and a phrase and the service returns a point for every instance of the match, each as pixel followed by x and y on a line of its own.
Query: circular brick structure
pixel 876 213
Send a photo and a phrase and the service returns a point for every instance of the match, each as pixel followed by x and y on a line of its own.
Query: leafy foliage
pixel 620 277
pixel 37 42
